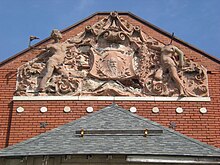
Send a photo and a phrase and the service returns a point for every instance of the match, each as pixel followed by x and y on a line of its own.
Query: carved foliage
pixel 113 58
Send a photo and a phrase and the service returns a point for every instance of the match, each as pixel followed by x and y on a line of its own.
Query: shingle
pixel 63 140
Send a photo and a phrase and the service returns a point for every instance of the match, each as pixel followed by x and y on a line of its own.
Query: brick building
pixel 104 60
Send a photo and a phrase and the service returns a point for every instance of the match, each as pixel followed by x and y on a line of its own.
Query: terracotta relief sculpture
pixel 111 58
pixel 58 51
pixel 169 64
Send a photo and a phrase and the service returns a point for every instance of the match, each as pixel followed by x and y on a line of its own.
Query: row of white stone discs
pixel 67 109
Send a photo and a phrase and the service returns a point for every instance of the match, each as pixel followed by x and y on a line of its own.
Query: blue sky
pixel 194 21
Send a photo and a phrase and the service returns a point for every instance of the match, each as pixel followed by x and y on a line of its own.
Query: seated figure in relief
pixel 167 57
pixel 58 51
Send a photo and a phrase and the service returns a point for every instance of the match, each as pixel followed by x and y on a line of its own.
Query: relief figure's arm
pixel 181 56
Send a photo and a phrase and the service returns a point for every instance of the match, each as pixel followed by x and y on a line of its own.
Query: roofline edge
pixel 174 38
pixel 120 13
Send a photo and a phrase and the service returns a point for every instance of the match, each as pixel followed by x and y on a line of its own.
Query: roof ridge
pixel 25 141
pixel 140 117
pixel 194 140
pixel 54 129
pixel 117 107
pixel 164 32
pixel 112 110
pixel 170 130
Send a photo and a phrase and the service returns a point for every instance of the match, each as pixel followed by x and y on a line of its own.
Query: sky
pixel 195 21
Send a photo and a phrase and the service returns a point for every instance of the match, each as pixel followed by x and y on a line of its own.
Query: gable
pixel 112 57
pixel 16 126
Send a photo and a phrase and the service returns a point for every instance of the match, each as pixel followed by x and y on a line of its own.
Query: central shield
pixel 112 65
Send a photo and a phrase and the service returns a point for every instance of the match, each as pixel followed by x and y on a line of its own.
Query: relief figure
pixel 111 58
pixel 58 51
pixel 168 62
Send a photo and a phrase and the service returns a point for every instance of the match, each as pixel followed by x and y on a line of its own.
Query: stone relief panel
pixel 111 58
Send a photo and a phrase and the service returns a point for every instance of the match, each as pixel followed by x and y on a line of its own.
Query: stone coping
pixel 110 98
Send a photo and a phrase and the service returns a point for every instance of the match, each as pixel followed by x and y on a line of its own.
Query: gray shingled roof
pixel 63 140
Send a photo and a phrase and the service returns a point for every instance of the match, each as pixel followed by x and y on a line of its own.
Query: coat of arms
pixel 111 57
pixel 112 64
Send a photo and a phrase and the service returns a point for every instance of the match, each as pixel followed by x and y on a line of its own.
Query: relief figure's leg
pixel 175 76
pixel 49 72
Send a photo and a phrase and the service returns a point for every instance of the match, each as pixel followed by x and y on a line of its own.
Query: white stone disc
pixel 133 109
pixel 43 109
pixel 89 109
pixel 203 110
pixel 155 110
pixel 179 110
pixel 20 109
pixel 67 109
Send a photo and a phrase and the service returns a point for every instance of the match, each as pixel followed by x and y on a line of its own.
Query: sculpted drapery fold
pixel 111 58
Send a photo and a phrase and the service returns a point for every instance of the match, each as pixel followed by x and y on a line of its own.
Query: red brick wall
pixel 16 127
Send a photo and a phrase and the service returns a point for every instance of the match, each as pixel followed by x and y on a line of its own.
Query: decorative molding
pixel 111 98
pixel 111 58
